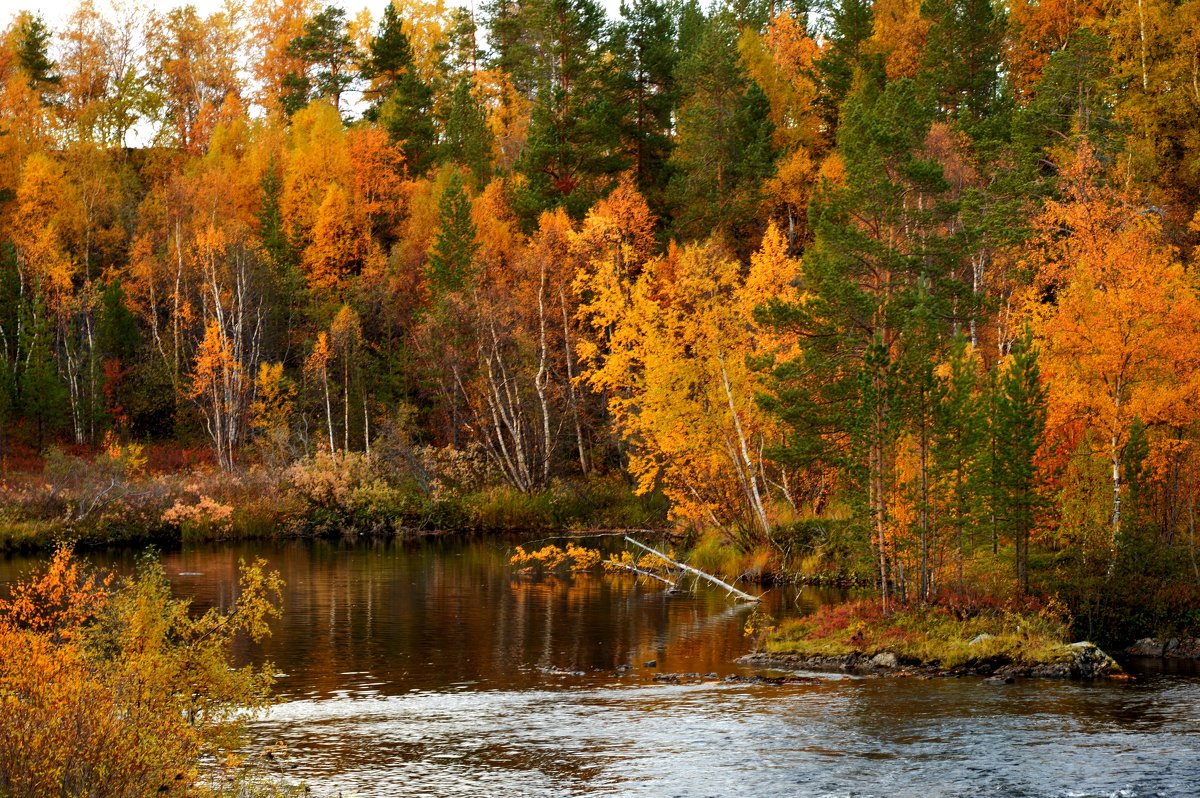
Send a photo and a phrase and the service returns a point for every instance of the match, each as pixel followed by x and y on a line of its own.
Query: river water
pixel 425 668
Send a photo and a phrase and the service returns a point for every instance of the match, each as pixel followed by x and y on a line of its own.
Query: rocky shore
pixel 1074 661
pixel 1172 648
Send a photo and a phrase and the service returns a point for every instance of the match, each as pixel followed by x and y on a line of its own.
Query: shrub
pixel 117 689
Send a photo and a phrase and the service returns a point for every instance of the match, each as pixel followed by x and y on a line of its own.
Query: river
pixel 424 668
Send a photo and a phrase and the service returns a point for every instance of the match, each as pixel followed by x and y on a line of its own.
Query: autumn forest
pixel 897 293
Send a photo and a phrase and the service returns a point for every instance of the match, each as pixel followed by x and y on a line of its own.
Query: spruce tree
pixel 452 255
pixel 1020 426
pixel 403 102
pixel 468 140
pixel 33 55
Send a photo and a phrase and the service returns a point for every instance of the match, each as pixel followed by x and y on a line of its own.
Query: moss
pixel 937 636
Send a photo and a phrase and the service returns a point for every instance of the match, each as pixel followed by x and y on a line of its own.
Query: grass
pixel 933 635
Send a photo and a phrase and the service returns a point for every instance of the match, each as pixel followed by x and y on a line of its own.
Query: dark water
pixel 426 669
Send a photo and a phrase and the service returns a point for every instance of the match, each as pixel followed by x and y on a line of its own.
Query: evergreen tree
pixel 645 50
pixel 43 395
pixel 1020 426
pixel 876 271
pixel 468 139
pixel 403 102
pixel 117 343
pixel 556 54
pixel 33 54
pixel 724 148
pixel 959 461
pixel 327 50
pixel 962 56
pixel 451 258
pixel 847 24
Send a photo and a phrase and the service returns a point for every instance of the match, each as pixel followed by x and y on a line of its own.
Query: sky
pixel 56 11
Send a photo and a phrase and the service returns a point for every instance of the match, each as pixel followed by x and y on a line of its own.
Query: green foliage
pixel 468 140
pixel 33 54
pixel 451 258
pixel 404 104
pixel 328 53
pixel 723 150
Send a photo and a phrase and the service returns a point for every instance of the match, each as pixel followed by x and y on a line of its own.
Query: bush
pixel 117 689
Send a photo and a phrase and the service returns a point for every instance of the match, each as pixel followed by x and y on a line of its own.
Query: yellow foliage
pixel 572 559
pixel 118 689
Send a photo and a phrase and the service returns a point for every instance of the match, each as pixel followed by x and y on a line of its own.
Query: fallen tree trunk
pixel 640 571
pixel 682 566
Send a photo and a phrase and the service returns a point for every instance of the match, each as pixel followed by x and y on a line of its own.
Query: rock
pixel 1188 648
pixel 1147 647
pixel 997 680
pixel 623 668
pixel 652 663
pixel 885 659
pixel 980 638
pixel 1087 661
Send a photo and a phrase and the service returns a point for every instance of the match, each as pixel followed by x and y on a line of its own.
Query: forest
pixel 898 292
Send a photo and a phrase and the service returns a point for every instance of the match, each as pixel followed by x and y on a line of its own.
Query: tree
pixel 402 102
pixel 451 258
pixel 1117 318
pixel 33 54
pixel 468 141
pixel 328 55
pixel 643 43
pixel 316 369
pixel 1020 423
pixel 557 57
pixel 271 412
pixel 724 149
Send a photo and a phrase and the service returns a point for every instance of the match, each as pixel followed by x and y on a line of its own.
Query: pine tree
pixel 645 51
pixel 724 148
pixel 961 57
pixel 329 55
pixel 557 56
pixel 468 141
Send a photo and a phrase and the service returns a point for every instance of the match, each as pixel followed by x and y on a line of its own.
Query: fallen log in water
pixel 684 567
pixel 640 571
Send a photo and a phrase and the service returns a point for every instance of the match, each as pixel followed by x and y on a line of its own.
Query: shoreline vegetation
pixel 900 294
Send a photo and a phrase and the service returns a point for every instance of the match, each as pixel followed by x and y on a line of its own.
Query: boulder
pixel 885 659
pixel 1187 648
pixel 1087 661
pixel 1146 647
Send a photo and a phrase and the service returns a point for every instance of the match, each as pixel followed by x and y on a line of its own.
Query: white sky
pixel 56 11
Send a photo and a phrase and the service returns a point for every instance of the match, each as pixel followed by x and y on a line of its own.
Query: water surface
pixel 427 668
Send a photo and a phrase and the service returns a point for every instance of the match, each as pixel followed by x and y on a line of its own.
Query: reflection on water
pixel 425 668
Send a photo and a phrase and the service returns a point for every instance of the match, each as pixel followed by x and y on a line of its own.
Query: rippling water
pixel 425 668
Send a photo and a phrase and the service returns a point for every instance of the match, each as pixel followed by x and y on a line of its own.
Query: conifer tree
pixel 452 256
pixel 1019 430
pixel 468 141
pixel 724 148
pixel 330 58
pixel 403 102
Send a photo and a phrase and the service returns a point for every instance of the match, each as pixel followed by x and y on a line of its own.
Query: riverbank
pixel 858 637
pixel 114 498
